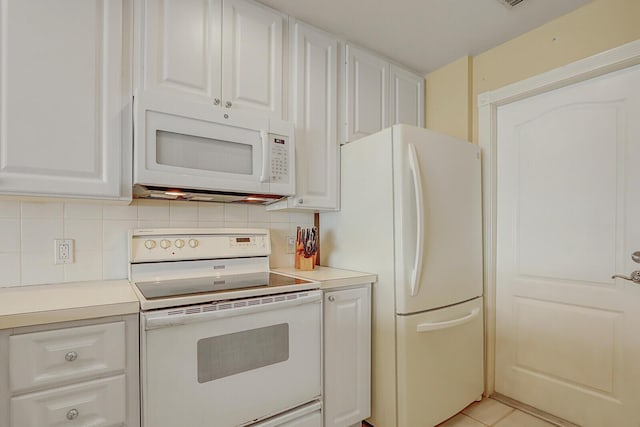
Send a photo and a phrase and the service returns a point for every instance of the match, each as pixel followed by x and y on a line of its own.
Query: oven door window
pixel 225 355
pixel 209 154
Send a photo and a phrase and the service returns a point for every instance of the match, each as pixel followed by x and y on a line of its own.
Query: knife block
pixel 305 264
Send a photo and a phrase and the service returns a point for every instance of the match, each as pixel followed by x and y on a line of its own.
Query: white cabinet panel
pixel 65 98
pixel 314 72
pixel 367 87
pixel 347 349
pixel 252 57
pixel 225 52
pixel 99 403
pixel 50 357
pixel 182 47
pixel 406 97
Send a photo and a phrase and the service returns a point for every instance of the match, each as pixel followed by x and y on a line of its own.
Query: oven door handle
pixel 155 320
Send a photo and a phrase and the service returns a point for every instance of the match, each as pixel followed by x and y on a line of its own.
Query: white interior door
pixel 568 218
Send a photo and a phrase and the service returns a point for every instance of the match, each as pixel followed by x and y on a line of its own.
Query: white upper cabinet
pixel 252 40
pixel 65 98
pixel 367 93
pixel 182 47
pixel 378 94
pixel 314 112
pixel 406 97
pixel 224 52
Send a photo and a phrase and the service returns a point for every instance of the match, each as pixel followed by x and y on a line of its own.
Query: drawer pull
pixel 72 414
pixel 71 356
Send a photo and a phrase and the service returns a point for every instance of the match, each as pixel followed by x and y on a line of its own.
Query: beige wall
pixel 596 27
pixel 447 99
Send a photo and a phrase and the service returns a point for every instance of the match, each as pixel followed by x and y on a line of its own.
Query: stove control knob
pixel 164 244
pixel 150 244
pixel 193 243
pixel 179 243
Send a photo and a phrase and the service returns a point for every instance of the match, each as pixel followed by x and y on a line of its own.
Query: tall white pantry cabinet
pixel 65 98
pixel 313 77
pixel 225 52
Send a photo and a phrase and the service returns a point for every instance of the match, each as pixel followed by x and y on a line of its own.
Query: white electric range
pixel 224 341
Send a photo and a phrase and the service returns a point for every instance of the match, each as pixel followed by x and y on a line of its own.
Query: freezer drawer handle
pixel 416 272
pixel 426 327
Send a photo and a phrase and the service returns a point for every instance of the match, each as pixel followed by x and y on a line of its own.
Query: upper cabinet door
pixel 65 98
pixel 367 105
pixel 252 41
pixel 182 47
pixel 406 97
pixel 314 60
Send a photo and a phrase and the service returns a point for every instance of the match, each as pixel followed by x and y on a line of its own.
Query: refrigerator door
pixel 440 363
pixel 438 219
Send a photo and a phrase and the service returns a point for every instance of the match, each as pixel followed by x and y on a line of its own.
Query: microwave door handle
pixel 264 136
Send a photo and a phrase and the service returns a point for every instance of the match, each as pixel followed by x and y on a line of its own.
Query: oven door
pixel 179 144
pixel 231 363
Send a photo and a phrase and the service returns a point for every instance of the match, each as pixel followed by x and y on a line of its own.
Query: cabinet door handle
pixel 228 104
pixel 71 356
pixel 216 101
pixel 72 414
pixel 331 298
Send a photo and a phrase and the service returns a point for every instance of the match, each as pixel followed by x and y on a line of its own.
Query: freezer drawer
pixel 440 363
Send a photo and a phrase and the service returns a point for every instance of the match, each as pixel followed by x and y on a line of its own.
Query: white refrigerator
pixel 411 212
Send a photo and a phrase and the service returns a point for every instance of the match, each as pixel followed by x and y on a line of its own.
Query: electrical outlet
pixel 63 251
pixel 291 244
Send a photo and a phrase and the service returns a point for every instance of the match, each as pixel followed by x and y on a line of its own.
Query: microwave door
pixel 189 153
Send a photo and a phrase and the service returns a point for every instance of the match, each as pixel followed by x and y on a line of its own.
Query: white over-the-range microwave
pixel 194 151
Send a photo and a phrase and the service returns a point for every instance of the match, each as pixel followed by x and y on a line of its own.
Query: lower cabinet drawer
pixel 49 358
pixel 305 416
pixel 99 403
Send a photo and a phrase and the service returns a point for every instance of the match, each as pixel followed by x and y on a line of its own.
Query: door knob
pixel 635 277
pixel 636 257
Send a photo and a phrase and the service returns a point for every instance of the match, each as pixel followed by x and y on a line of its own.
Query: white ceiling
pixel 425 34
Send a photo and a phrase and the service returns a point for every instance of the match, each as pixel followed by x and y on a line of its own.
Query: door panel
pixel 182 47
pixel 347 363
pixel 252 57
pixel 62 97
pixel 567 213
pixel 448 171
pixel 367 93
pixel 407 97
pixel 314 58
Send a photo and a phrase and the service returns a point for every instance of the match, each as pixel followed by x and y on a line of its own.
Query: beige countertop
pixel 42 304
pixel 330 278
pixel 62 302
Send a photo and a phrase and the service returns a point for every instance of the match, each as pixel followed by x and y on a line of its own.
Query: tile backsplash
pixel 28 230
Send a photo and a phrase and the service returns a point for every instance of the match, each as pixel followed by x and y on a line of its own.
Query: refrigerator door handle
pixel 427 327
pixel 414 167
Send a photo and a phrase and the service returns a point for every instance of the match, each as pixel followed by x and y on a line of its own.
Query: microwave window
pixel 209 154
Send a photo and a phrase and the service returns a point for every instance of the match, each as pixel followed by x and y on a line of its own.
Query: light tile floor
pixel 491 413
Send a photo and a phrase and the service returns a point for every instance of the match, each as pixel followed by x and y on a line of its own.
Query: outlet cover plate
pixel 63 251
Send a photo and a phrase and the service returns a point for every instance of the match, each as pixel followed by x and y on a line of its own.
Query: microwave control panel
pixel 279 158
